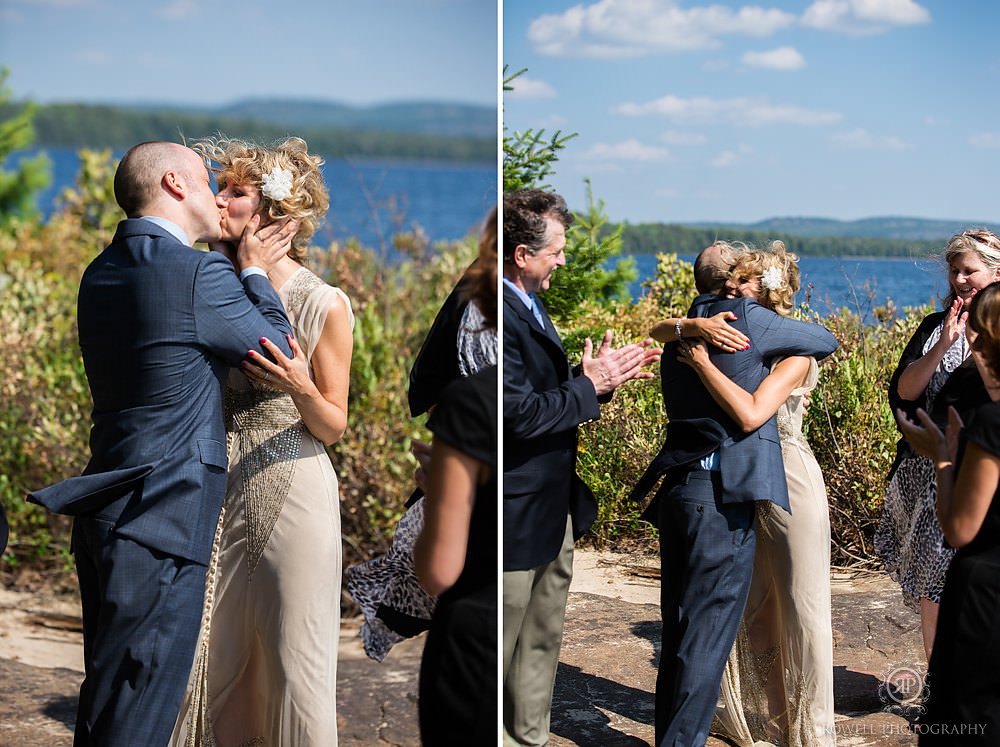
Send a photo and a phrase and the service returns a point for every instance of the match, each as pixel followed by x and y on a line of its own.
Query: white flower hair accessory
pixel 277 185
pixel 772 279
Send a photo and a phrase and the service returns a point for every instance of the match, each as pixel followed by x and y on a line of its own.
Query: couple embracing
pixel 741 513
pixel 214 393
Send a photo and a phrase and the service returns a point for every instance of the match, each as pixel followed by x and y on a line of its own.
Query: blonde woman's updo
pixel 778 272
pixel 242 162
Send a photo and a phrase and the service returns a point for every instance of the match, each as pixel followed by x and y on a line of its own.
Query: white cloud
pixel 179 10
pixel 782 58
pixel 94 56
pixel 731 158
pixel 864 16
pixel 715 66
pixel 529 88
pixel 675 137
pixel 743 112
pixel 861 139
pixel 985 140
pixel 597 167
pixel 724 159
pixel 553 122
pixel 627 150
pixel 634 28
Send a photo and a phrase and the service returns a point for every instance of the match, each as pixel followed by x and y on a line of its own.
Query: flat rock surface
pixel 607 670
pixel 604 690
pixel 41 667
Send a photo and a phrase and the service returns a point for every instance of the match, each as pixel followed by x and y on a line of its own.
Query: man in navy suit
pixel 545 505
pixel 713 473
pixel 160 325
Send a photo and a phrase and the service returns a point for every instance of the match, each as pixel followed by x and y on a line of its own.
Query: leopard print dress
pixel 909 540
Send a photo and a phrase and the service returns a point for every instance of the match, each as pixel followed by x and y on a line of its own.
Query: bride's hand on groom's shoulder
pixel 717 331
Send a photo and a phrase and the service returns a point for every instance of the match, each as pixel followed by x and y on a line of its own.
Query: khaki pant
pixel 534 607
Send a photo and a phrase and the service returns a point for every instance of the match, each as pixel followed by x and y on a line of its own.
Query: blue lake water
pixel 369 199
pixel 860 284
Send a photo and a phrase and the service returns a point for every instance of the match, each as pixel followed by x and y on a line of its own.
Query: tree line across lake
pixel 656 238
pixel 97 126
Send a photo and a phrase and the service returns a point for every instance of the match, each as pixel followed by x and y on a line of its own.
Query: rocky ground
pixel 607 672
pixel 603 693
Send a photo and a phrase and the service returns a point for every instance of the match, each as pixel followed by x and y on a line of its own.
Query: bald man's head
pixel 711 268
pixel 137 180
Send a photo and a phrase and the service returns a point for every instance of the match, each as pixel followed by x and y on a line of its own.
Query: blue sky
pixel 189 51
pixel 692 111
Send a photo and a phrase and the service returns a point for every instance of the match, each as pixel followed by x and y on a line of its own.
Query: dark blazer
pixel 964 390
pixel 750 463
pixel 436 365
pixel 544 401
pixel 160 325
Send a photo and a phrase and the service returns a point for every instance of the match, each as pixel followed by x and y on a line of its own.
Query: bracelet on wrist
pixel 677 329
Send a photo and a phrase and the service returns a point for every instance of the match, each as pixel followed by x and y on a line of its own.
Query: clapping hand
pixel 954 321
pixel 612 367
pixel 928 440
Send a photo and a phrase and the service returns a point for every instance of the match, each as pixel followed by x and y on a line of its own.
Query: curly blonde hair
pixel 246 163
pixel 753 263
pixel 984 244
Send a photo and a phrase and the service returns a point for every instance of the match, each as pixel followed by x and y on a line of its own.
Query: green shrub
pixel 46 408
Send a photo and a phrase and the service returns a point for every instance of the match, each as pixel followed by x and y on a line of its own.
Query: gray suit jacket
pixel 160 325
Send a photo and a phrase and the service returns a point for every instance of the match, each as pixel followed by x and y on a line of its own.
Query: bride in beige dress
pixel 266 667
pixel 778 684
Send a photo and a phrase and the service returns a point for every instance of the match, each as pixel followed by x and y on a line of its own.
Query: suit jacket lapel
pixel 547 335
pixel 550 328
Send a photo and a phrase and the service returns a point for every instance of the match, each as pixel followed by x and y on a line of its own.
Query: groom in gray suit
pixel 705 509
pixel 160 325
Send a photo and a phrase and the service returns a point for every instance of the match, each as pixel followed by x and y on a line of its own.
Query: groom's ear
pixel 173 183
pixel 521 255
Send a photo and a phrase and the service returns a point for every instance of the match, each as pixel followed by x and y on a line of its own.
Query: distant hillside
pixel 422 117
pixel 433 132
pixel 891 227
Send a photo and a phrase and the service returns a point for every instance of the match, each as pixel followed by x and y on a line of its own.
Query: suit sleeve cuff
pixel 251 270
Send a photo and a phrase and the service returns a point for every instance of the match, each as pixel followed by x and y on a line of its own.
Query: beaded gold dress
pixel 265 671
pixel 786 631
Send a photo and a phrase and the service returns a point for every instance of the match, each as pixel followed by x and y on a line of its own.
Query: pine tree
pixel 529 157
pixel 20 184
